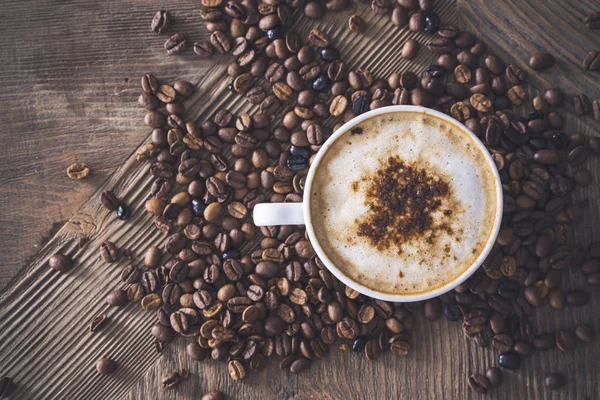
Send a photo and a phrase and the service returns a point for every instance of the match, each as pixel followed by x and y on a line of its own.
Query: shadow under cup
pixel 300 213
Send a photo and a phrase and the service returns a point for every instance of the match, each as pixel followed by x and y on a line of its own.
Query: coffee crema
pixel 403 203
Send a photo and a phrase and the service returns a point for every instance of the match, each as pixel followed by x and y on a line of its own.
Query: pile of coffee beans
pixel 243 294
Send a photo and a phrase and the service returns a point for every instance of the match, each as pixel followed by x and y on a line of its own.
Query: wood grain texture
pixel 56 361
pixel 70 76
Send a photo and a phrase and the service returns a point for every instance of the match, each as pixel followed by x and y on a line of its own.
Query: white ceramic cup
pixel 271 214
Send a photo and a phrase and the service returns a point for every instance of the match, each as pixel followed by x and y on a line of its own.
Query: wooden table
pixel 70 79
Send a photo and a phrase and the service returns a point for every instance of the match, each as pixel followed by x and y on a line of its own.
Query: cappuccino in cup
pixel 404 202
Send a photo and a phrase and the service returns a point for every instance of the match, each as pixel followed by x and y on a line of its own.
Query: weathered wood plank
pixel 57 360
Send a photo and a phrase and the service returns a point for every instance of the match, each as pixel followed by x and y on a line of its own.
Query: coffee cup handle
pixel 270 214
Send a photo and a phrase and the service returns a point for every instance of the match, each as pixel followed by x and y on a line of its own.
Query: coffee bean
pixel 591 62
pixel 564 341
pixel 318 38
pixel 161 22
pixel 596 109
pixel 117 298
pixel 462 74
pixel 109 200
pixel 479 383
pixel 360 105
pixel 416 22
pixel 176 44
pixel 355 23
pixel 494 376
pixel 576 298
pixel 410 49
pixel 97 323
pixel 440 45
pixel 515 74
pixel 432 22
pixel 329 54
pixel 540 60
pixel 517 95
pixel 592 20
pixel 509 360
pixel 554 381
pixel 582 104
pixel 170 381
pixel 214 395
pixel 585 333
pixel 220 42
pixel 60 262
pixel 494 64
pixel 236 370
pixel 106 366
pixel 481 103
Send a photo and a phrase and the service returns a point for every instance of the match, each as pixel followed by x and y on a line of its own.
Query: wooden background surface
pixel 70 80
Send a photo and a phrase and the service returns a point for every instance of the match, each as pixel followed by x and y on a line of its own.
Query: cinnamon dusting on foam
pixel 405 204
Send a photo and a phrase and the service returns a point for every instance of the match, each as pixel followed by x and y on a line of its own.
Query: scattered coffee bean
pixel 509 360
pixel 592 20
pixel 161 22
pixel 175 44
pixel 494 376
pixel 479 383
pixel 106 366
pixel 78 171
pixel 355 24
pixel 582 104
pixel 98 323
pixel 555 381
pixel 170 381
pixel 540 61
pixel 60 262
pixel 214 395
pixel 109 200
pixel 123 212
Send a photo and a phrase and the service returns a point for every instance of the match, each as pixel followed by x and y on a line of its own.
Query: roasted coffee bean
pixel 582 104
pixel 220 42
pixel 495 64
pixel 479 383
pixel 106 366
pixel 204 49
pixel 60 262
pixel 554 381
pixel 170 381
pixel 509 360
pixel 410 49
pixel 355 23
pixel 592 20
pixel 517 95
pixel 440 45
pixel 176 44
pixel 591 62
pixel 329 54
pixel 97 323
pixel 149 84
pixel 564 341
pixel 575 298
pixel 540 60
pixel 318 38
pixel 432 22
pixel 213 395
pixel 494 376
pixel 585 333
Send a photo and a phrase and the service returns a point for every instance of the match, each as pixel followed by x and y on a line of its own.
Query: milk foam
pixel 338 201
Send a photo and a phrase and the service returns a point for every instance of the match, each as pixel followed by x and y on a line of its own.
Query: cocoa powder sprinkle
pixel 403 201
